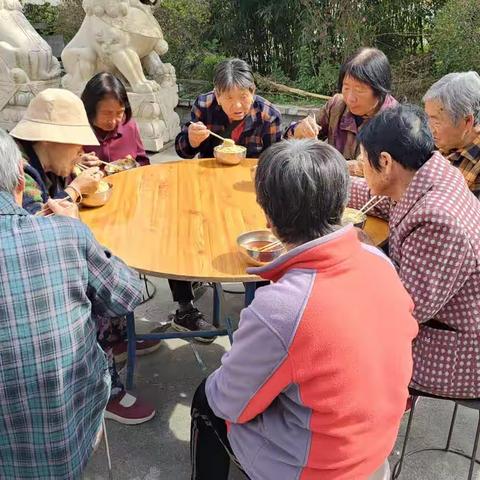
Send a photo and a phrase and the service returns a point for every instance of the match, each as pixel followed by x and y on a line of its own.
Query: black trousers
pixel 182 291
pixel 210 449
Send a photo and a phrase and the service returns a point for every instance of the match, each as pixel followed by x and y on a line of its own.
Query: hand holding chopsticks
pixel 59 206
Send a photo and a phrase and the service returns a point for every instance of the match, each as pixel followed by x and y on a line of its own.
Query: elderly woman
pixel 110 115
pixel 453 108
pixel 364 82
pixel 53 117
pixel 293 397
pixel 434 244
pixel 50 137
pixel 232 110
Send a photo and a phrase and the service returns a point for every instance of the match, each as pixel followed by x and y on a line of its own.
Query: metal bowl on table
pixel 352 215
pixel 100 197
pixel 230 155
pixel 121 165
pixel 250 242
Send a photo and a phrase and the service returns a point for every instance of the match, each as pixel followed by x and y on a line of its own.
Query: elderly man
pixel 434 243
pixel 53 375
pixel 293 397
pixel 453 107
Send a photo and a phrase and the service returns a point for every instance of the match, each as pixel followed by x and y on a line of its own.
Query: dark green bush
pixel 456 37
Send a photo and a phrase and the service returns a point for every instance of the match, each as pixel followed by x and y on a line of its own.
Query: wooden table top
pixel 180 220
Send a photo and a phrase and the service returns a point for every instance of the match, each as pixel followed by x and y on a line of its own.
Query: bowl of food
pixel 254 247
pixel 352 215
pixel 100 197
pixel 121 165
pixel 229 154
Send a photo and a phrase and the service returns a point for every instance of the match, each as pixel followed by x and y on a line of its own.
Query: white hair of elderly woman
pixel 10 163
pixel 459 94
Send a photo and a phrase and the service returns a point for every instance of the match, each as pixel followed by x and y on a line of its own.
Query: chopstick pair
pixel 45 207
pixel 271 245
pixel 373 202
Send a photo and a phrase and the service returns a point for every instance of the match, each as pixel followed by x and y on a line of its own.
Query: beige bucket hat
pixel 55 115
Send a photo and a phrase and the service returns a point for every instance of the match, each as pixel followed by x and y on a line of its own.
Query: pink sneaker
pixel 127 409
pixel 142 347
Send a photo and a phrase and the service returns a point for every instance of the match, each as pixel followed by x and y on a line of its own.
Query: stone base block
pixel 157 120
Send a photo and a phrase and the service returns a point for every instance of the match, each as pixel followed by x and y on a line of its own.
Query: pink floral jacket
pixel 435 246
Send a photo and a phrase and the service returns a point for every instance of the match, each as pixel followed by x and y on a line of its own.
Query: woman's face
pixel 236 103
pixel 62 157
pixel 359 97
pixel 377 181
pixel 110 114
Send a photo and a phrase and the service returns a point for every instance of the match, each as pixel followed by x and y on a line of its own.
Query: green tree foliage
pixel 456 37
pixel 42 17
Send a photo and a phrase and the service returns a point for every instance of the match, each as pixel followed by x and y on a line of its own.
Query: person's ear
pixel 386 163
pixel 469 122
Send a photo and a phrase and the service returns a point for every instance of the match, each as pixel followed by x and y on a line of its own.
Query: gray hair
pixel 302 186
pixel 459 94
pixel 233 73
pixel 10 163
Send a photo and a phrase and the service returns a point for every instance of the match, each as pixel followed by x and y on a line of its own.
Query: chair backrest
pixel 383 473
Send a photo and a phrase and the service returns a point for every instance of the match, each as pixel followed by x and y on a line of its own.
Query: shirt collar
pixel 8 206
pixel 347 121
pixel 470 152
pixel 422 182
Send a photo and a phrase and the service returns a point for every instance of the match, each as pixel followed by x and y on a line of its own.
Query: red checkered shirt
pixel 262 127
pixel 435 246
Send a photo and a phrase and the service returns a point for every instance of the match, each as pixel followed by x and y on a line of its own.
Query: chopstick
pixel 265 248
pixel 373 202
pixel 45 207
pixel 224 140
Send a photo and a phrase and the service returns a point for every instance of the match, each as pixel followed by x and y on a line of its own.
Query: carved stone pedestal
pixel 157 120
pixel 14 99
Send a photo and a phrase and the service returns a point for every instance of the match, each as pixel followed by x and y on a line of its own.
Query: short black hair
pixel 104 85
pixel 401 131
pixel 302 186
pixel 370 66
pixel 233 73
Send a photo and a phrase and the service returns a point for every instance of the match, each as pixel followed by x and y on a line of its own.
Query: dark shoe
pixel 142 347
pixel 129 410
pixel 192 321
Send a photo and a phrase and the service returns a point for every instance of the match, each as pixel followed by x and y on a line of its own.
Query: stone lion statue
pixel 119 36
pixel 24 55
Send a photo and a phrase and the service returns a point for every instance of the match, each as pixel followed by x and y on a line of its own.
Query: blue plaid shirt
pixel 263 126
pixel 54 382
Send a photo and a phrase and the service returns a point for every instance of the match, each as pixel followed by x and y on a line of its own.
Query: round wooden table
pixel 180 220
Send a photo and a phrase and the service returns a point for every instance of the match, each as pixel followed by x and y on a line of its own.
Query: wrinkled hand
pixel 197 134
pixel 65 208
pixel 87 181
pixel 90 160
pixel 307 128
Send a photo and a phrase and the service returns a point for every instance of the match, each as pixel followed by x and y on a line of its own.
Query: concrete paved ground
pixel 159 449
